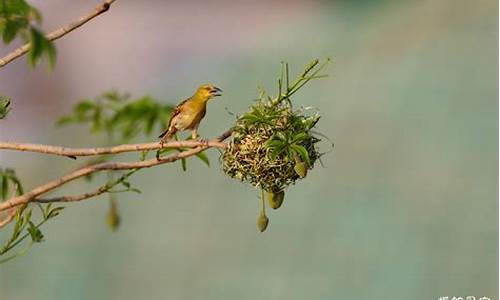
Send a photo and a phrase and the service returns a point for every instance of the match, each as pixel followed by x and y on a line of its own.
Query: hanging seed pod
pixel 275 199
pixel 113 217
pixel 113 220
pixel 262 222
pixel 301 169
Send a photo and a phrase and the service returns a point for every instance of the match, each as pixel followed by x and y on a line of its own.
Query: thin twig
pixel 58 33
pixel 86 170
pixel 64 151
pixel 8 218
pixel 101 190
pixel 73 198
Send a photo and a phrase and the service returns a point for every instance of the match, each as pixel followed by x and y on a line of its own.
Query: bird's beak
pixel 216 92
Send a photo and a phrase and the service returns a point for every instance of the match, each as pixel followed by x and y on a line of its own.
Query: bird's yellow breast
pixel 190 116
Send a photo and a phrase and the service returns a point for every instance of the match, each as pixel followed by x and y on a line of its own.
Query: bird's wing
pixel 177 110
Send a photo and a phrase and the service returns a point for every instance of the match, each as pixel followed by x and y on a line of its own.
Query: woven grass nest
pixel 273 145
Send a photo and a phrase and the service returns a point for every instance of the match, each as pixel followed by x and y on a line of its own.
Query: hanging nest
pixel 273 145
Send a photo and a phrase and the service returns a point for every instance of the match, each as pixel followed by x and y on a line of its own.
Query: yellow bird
pixel 188 114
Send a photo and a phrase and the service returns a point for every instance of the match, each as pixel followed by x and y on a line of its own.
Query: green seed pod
pixel 262 222
pixel 301 169
pixel 112 217
pixel 275 199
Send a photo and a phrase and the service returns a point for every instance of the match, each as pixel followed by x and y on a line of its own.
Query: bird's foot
pixel 204 142
pixel 162 144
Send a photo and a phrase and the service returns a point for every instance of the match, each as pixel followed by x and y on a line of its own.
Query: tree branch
pixel 64 151
pixel 74 198
pixel 58 33
pixel 86 170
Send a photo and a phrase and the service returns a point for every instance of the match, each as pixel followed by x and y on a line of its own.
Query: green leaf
pixel 276 151
pixel 299 137
pixel 37 47
pixel 311 66
pixel 116 114
pixel 204 158
pixel 96 120
pixel 35 233
pixel 65 120
pixel 16 7
pixel 36 14
pixel 40 46
pixel 183 164
pixel 7 175
pixel 51 53
pixel 281 136
pixel 84 106
pixel 15 19
pixel 126 184
pixel 302 152
pixel 54 212
pixel 5 188
pixel 273 143
pixel 10 31
pixel 27 216
pixel 12 177
pixel 4 106
pixel 46 211
pixel 144 155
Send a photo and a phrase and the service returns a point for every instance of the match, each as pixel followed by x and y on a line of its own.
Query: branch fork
pixel 34 194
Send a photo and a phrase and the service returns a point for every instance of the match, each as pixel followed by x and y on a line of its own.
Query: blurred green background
pixel 405 207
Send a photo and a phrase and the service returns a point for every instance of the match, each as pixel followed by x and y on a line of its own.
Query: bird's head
pixel 207 91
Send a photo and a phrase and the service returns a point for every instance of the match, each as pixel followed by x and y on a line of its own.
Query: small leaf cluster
pixel 109 187
pixel 9 182
pixel 117 114
pixel 18 19
pixel 24 225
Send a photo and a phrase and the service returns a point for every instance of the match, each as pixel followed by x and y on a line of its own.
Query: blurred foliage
pixel 4 106
pixel 9 183
pixel 18 19
pixel 117 114
pixel 113 217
